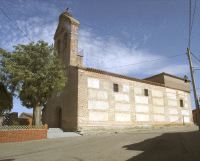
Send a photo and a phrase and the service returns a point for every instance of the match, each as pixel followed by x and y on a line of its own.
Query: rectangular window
pixel 181 103
pixel 115 87
pixel 146 92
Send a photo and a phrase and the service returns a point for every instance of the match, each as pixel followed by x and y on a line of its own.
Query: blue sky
pixel 115 35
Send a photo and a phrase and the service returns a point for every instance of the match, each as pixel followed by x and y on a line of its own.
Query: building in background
pixel 26 118
pixel 94 98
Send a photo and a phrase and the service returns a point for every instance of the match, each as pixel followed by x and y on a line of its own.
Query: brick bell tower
pixel 66 40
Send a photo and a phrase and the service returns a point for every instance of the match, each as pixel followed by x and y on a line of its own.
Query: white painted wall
pixel 142 108
pixel 98 116
pixel 121 97
pixel 141 99
pixel 122 117
pixel 168 90
pixel 173 111
pixel 101 105
pixel 186 104
pixel 125 88
pixel 186 119
pixel 93 82
pixel 142 117
pixel 122 107
pixel 138 91
pixel 174 119
pixel 98 99
pixel 97 94
pixel 159 118
pixel 157 109
pixel 181 93
pixel 156 93
pixel 158 101
pixel 172 102
pixel 185 112
pixel 171 96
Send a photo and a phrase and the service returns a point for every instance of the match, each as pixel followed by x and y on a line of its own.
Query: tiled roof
pixel 163 73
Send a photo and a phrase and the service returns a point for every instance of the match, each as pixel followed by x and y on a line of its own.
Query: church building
pixel 95 98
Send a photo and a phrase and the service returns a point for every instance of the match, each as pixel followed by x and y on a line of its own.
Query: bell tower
pixel 66 39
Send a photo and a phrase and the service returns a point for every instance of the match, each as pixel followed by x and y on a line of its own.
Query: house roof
pixel 25 115
pixel 167 74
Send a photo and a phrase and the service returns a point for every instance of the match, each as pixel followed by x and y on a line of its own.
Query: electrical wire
pixel 16 25
pixel 148 61
pixel 193 16
pixel 195 57
pixel 191 20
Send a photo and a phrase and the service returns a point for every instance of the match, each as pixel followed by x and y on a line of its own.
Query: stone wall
pixel 99 105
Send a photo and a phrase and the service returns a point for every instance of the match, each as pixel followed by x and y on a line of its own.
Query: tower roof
pixel 67 15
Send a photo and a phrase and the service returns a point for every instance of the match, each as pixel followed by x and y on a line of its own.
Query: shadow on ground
pixel 183 146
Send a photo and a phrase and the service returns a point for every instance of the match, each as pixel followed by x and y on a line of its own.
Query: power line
pixel 195 57
pixel 191 20
pixel 193 16
pixel 148 61
pixel 189 36
pixel 16 25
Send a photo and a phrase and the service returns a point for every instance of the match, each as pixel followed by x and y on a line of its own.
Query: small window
pixel 181 103
pixel 115 87
pixel 146 92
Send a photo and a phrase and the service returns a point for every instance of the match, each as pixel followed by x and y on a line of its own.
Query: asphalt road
pixel 172 144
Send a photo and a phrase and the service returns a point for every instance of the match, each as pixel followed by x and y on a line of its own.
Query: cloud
pixel 33 29
pixel 111 54
pixel 106 53
pixel 174 69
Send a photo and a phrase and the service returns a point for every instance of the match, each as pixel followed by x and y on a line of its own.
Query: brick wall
pixel 22 135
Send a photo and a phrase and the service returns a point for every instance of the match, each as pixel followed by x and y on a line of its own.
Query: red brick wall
pixel 22 135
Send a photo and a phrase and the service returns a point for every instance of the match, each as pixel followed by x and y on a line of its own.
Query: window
pixel 181 103
pixel 115 87
pixel 146 92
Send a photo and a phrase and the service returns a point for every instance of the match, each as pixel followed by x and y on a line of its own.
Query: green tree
pixel 6 100
pixel 34 71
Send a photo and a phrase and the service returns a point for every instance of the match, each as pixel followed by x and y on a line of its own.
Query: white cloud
pixel 106 53
pixel 33 29
pixel 174 69
pixel 116 56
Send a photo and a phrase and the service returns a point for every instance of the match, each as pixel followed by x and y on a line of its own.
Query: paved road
pixel 178 144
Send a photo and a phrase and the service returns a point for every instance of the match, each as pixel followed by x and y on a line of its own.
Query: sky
pixel 137 38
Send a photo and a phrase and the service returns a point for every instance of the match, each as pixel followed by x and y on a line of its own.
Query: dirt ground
pixel 171 144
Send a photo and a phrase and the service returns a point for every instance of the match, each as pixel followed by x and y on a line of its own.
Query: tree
pixel 34 71
pixel 6 100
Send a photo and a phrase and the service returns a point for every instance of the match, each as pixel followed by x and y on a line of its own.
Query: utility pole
pixel 193 85
pixel 192 77
pixel 191 66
